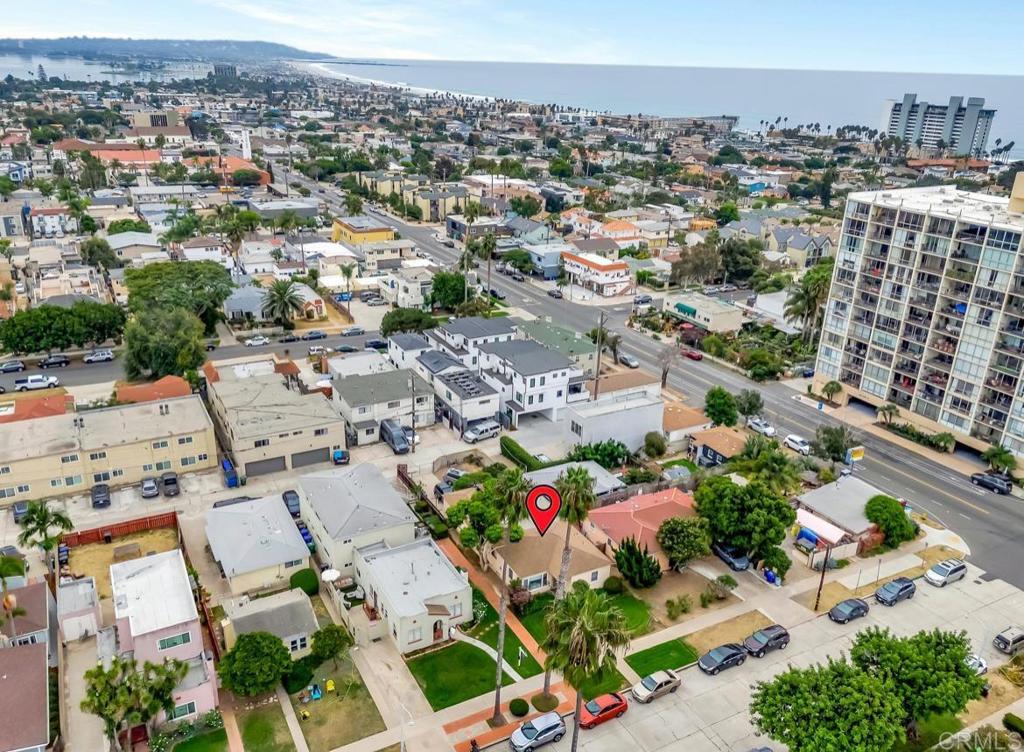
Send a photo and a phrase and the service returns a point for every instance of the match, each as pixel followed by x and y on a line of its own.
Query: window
pixel 148 467
pixel 159 444
pixel 290 564
pixel 7 493
pixel 262 443
pixel 163 465
pixel 5 470
pixel 533 382
pixel 186 461
pixel 184 440
pixel 97 456
pixel 392 405
pixel 457 609
pixel 116 473
pixel 363 410
pixel 536 582
pixel 172 642
pixel 529 400
pixel 72 480
pixel 542 378
pixel 559 393
pixel 299 643
pixel 56 482
pixel 69 458
pixel 415 634
pixel 576 428
pixel 593 576
pixel 189 708
pixel 202 457
pixel 100 477
pixel 320 432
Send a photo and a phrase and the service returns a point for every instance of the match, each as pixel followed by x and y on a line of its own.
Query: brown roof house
pixel 24 700
pixel 716 445
pixel 38 625
pixel 680 422
pixel 536 560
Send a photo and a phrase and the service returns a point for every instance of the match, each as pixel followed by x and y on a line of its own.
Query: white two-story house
pixel 462 338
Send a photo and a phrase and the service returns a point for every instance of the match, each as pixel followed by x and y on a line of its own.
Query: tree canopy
pixel 255 664
pixel 720 406
pixel 447 290
pixel 891 518
pixel 163 341
pixel 749 517
pixel 405 320
pixel 684 539
pixel 48 327
pixel 197 286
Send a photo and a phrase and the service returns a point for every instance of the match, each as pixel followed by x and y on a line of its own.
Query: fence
pixel 108 533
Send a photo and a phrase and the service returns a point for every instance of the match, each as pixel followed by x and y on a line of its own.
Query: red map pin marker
pixel 543 503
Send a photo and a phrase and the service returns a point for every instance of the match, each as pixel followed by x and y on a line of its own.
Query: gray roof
pixel 603 480
pixel 125 239
pixel 409 341
pixel 526 356
pixel 523 225
pixel 474 327
pixel 355 501
pixel 466 384
pixel 252 535
pixel 842 503
pixel 436 361
pixel 379 387
pixel 283 614
pixel 596 245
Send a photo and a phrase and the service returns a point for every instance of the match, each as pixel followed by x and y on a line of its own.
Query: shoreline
pixel 323 69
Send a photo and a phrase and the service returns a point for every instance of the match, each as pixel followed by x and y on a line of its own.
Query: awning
pixel 826 531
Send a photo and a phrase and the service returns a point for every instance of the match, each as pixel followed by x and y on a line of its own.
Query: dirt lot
pixel 736 629
pixel 94 559
pixel 1001 695
pixel 674 585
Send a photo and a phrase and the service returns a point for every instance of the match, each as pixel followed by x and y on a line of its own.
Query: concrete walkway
pixel 459 636
pixel 85 730
pixel 292 720
pixel 231 729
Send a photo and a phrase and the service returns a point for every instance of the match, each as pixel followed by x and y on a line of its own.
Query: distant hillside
pixel 221 50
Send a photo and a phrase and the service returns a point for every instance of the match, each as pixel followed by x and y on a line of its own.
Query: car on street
pixel 798 444
pixel 761 426
pixel 375 343
pixel 258 341
pixel 346 349
pixel 518 277
pixel 210 346
pixel 99 356
pixel 316 350
pixel 994 482
pixel 692 354
pixel 719 659
pixel 150 488
pixel 55 361
pixel 1009 641
pixel 12 366
pixel 373 302
pixel 945 572
pixel 727 288
pixel 896 590
pixel 639 300
pixel 352 331
pixel 766 640
pixel 977 664
pixel 848 610
pixel 169 484
pixel 554 292
pixel 35 381
pixel 735 557
pixel 603 708
pixel 537 732
pixel 628 360
pixel 100 494
pixel 496 293
pixel 289 338
pixel 313 334
pixel 655 685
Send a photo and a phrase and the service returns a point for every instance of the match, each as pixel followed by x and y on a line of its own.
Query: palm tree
pixel 763 459
pixel 347 270
pixel 510 503
pixel 831 389
pixel 471 214
pixel 353 204
pixel 584 632
pixel 887 412
pixel 281 301
pixel 10 566
pixel 486 251
pixel 999 458
pixel 42 527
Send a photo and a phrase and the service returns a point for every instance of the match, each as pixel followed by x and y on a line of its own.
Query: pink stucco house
pixel 156 619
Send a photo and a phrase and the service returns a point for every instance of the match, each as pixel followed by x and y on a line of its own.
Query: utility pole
pixel 821 581
pixel 412 395
pixel 600 339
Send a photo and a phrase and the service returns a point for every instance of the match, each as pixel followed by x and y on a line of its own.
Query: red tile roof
pixel 31 407
pixel 641 516
pixel 165 388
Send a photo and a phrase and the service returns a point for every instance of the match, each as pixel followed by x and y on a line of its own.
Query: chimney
pixel 1017 194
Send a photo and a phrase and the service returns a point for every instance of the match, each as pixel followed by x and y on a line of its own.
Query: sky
pixel 933 36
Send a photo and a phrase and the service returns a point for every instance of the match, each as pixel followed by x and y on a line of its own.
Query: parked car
pixel 367 294
pixel 55 361
pixel 453 475
pixel 411 436
pixel 352 331
pixel 807 373
pixel 316 350
pixel 977 664
pixel 628 360
pixel 35 381
pixel 373 302
pixel 211 346
pixel 19 509
pixel 289 338
pixel 100 494
pixel 798 444
pixel 375 343
pixel 483 429
pixel 719 659
pixel 440 489
pixel 945 572
pixel 291 500
pixel 391 433
pixel 603 708
pixel 736 558
pixel 692 354
pixel 12 552
pixel 655 685
pixel 12 366
pixel 894 591
pixel 313 334
pixel 169 484
pixel 766 640
pixel 554 292
pixel 761 426
pixel 150 488
pixel 103 355
pixel 848 610
pixel 341 457
pixel 518 277
pixel 639 300
pixel 258 341
pixel 994 482
pixel 1009 641
pixel 537 732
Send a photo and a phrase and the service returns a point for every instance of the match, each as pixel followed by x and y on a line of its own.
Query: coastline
pixel 324 70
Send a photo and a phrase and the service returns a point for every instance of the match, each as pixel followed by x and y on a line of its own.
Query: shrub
pixel 654 444
pixel 470 479
pixel 777 561
pixel 613 585
pixel 637 475
pixel 514 451
pixel 720 587
pixel 307 580
pixel 519 707
pixel 1013 723
pixel 637 565
pixel 676 607
pixel 705 599
pixel 892 520
pixel 213 719
pixel 159 742
pixel 544 703
pixel 826 475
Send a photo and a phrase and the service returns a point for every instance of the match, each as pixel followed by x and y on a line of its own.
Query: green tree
pixel 727 213
pixel 43 527
pixel 330 642
pixel 776 560
pixel 470 214
pixel 999 458
pixel 282 300
pixel 749 517
pixel 684 539
pixel 654 444
pixel 720 406
pixel 888 412
pixel 127 225
pixel 763 459
pixel 98 253
pixel 197 286
pixel 525 206
pixel 749 403
pixel 447 289
pixel 806 301
pixel 608 454
pixel 99 322
pixel 485 249
pixel 927 672
pixel 405 320
pixel 761 363
pixel 353 204
pixel 638 567
pixel 161 342
pixel 831 708
pixel 246 177
pixel 831 389
pixel 831 442
pixel 891 518
pixel 348 271
pixel 740 258
pixel 255 664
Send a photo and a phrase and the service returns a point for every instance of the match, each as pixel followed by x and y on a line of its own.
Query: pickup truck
pixel 35 381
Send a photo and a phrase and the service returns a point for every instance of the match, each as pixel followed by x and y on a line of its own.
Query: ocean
pixel 827 97
pixel 77 69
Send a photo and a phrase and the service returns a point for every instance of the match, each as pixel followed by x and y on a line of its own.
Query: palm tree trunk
pixel 563 576
pixel 576 721
pixel 490 299
pixel 498 719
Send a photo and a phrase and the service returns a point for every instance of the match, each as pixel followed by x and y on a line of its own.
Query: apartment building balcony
pixel 996 400
pixel 961 272
pixel 913 350
pixel 901 398
pixel 929 394
pixel 909 367
pixel 941 363
pixel 915 335
pixel 870 283
pixel 1002 383
pixel 958 291
pixel 934 377
pixel 1010 344
pixel 1008 364
pixel 850 377
pixel 987 432
pixel 866 301
pixel 944 345
pixel 875 250
pixel 929 282
pixel 989 298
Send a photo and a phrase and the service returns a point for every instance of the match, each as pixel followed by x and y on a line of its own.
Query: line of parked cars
pixel 759 644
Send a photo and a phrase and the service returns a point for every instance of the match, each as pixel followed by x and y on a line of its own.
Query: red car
pixel 693 354
pixel 602 709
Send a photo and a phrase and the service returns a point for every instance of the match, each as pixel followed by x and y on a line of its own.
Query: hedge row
pixel 514 451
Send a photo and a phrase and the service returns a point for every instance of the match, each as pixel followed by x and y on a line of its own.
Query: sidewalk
pixel 292 720
pixel 231 729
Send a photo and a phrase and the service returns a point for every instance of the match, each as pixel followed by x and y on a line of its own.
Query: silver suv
pixel 546 728
pixel 945 572
pixel 1010 640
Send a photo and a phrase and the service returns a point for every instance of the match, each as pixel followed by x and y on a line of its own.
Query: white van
pixel 483 429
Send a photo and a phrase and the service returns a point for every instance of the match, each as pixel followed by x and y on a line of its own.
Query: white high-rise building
pixel 926 311
pixel 960 128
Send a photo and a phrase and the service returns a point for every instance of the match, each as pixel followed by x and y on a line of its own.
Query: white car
pixel 798 444
pixel 99 356
pixel 977 664
pixel 320 350
pixel 761 426
pixel 258 341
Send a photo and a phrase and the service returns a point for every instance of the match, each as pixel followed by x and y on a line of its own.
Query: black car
pixel 734 557
pixel 375 344
pixel 555 293
pixel 496 293
pixel 100 496
pixel 291 500
pixel 999 484
pixel 169 484
pixel 289 338
pixel 518 277
pixel 724 656
pixel 346 349
pixel 12 366
pixel 894 591
pixel 441 489
pixel 848 610
pixel 765 640
pixel 55 361
pixel 314 334
pixel 211 346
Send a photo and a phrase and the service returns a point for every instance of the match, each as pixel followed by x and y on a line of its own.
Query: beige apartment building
pixel 69 453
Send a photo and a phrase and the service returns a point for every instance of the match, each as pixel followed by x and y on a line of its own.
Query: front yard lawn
pixel 671 654
pixel 453 674
pixel 682 462
pixel 265 730
pixel 931 733
pixel 211 741
pixel 636 611
pixel 340 717
pixel 486 630
pixel 603 683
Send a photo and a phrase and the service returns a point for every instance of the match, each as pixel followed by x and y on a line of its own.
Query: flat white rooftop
pixel 949 202
pixel 152 592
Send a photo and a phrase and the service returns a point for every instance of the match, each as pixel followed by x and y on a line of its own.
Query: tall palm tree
pixel 353 204
pixel 510 503
pixel 43 527
pixel 584 633
pixel 999 458
pixel 888 412
pixel 471 214
pixel 10 566
pixel 281 301
pixel 347 271
pixel 486 251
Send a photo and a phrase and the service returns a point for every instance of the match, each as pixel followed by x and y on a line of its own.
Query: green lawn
pixel 670 654
pixel 211 741
pixel 486 630
pixel 680 462
pixel 931 732
pixel 636 611
pixel 603 683
pixel 265 730
pixel 340 717
pixel 453 674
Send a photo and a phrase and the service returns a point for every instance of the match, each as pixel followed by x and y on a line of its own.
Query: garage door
pixel 262 467
pixel 76 627
pixel 312 457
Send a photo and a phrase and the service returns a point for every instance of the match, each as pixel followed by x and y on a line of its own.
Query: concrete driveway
pixel 85 731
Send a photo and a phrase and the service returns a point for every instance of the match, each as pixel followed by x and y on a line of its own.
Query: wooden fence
pixel 108 533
